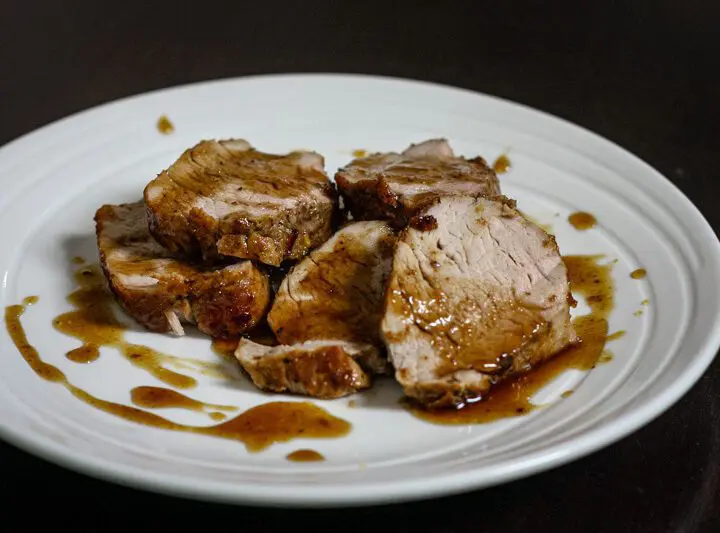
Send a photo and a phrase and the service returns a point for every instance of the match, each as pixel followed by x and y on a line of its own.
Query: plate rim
pixel 432 484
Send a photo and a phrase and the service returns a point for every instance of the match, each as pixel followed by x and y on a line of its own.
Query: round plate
pixel 54 179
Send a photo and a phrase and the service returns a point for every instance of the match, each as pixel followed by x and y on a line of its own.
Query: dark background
pixel 642 73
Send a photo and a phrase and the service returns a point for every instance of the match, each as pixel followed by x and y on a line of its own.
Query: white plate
pixel 53 180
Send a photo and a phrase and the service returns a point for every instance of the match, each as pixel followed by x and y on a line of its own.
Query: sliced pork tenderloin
pixel 476 293
pixel 337 292
pixel 161 292
pixel 395 187
pixel 224 198
pixel 321 369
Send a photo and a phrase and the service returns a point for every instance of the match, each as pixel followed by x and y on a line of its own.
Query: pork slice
pixel 395 187
pixel 476 293
pixel 161 292
pixel 338 291
pixel 224 198
pixel 322 369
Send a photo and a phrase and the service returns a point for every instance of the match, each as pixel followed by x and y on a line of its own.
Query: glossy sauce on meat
pixel 582 221
pixel 304 456
pixel 588 278
pixel 257 428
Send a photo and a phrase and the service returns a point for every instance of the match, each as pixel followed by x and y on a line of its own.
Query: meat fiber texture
pixel 322 369
pixel 476 293
pixel 160 292
pixel 395 187
pixel 224 198
pixel 338 291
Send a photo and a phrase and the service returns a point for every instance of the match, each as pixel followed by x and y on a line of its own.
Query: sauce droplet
pixel 257 428
pixel 217 416
pixel 303 456
pixel 359 153
pixel 502 164
pixel 164 125
pixel 31 300
pixel 78 260
pixel 567 394
pixel 582 221
pixel 645 302
pixel 639 273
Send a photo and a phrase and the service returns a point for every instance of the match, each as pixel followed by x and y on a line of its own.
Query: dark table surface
pixel 642 73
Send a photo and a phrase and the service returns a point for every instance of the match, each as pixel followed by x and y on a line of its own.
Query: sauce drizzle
pixel 257 428
pixel 582 221
pixel 162 398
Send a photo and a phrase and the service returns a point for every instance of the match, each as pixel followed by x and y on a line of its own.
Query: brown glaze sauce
pixel 162 398
pixel 31 300
pixel 83 354
pixel 502 164
pixel 94 323
pixel 257 428
pixel 593 281
pixel 582 221
pixel 511 398
pixel 639 273
pixel 164 125
pixel 304 456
